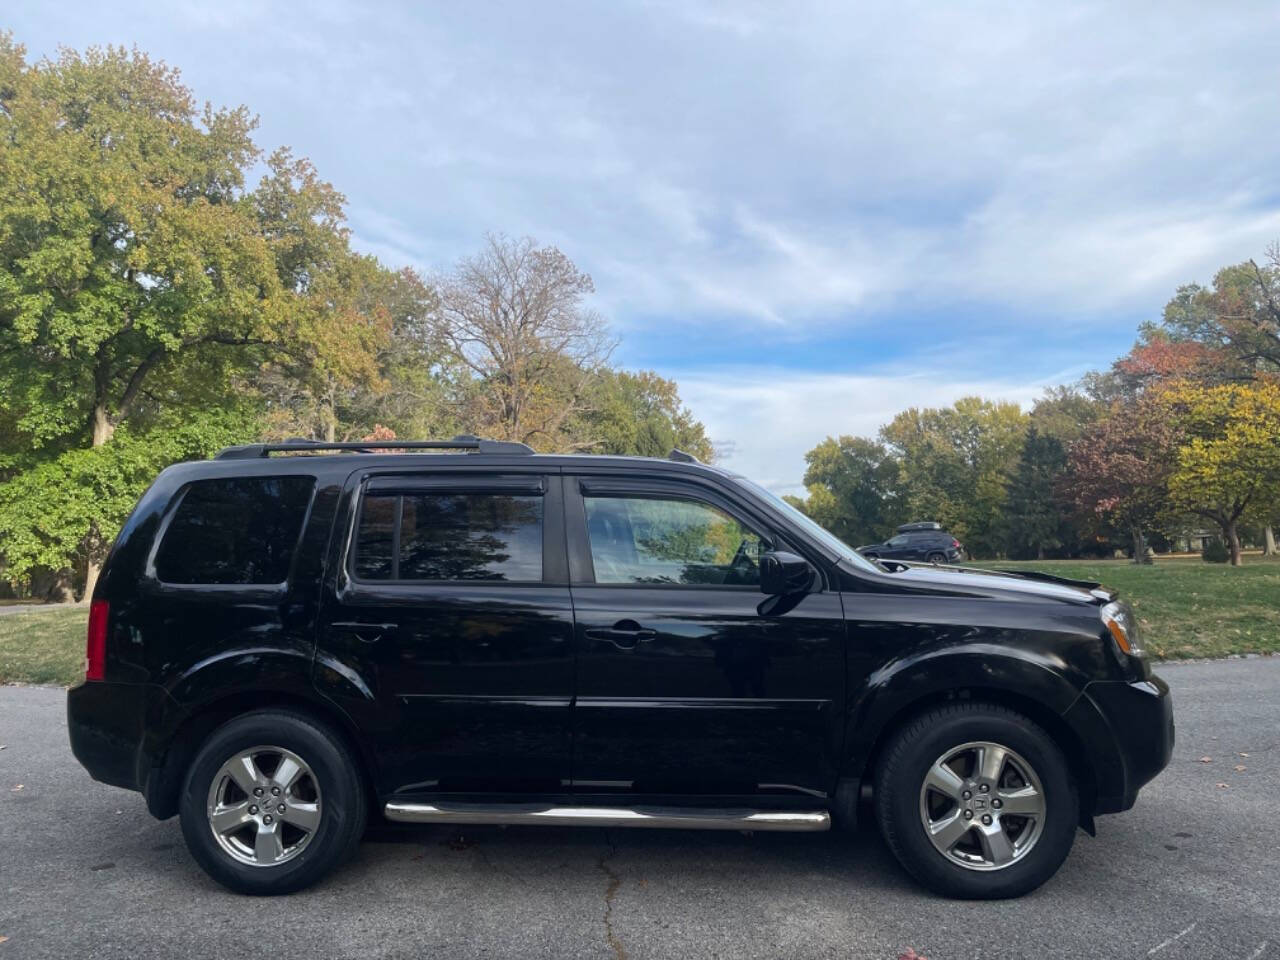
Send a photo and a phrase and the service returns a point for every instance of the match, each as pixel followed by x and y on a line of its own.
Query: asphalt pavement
pixel 1192 872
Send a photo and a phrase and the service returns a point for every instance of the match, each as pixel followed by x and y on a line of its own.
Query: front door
pixel 448 633
pixel 690 680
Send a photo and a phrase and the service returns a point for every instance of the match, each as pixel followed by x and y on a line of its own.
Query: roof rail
pixel 679 456
pixel 251 451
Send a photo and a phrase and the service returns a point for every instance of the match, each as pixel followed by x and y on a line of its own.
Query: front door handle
pixel 624 634
pixel 367 632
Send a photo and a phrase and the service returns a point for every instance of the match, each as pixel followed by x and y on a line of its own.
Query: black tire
pixel 937 558
pixel 911 753
pixel 341 801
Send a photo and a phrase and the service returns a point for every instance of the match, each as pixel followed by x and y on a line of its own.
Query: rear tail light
pixel 95 648
pixel 956 544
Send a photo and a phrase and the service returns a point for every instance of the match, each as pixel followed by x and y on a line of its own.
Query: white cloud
pixel 764 419
pixel 802 165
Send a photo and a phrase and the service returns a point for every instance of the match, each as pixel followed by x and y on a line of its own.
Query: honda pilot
pixel 292 638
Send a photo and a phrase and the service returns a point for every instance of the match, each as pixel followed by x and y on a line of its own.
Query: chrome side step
pixel 689 818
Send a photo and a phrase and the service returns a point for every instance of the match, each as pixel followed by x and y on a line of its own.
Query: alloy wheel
pixel 264 806
pixel 982 806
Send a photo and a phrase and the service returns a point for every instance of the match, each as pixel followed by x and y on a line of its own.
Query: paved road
pixel 1192 872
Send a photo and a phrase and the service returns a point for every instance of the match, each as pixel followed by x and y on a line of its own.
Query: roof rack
pixel 251 451
pixel 679 456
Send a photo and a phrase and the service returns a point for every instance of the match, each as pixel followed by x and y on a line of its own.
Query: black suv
pixel 917 541
pixel 280 646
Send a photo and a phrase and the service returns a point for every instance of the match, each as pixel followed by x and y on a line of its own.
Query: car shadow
pixel 845 856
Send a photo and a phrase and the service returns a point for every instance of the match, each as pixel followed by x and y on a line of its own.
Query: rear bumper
pixel 107 724
pixel 1127 729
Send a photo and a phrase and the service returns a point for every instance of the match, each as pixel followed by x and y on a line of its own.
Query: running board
pixel 688 818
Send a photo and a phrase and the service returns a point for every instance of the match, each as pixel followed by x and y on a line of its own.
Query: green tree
pixel 1033 518
pixel 65 510
pixel 852 489
pixel 955 462
pixel 140 281
pixel 124 244
pixel 1237 318
pixel 639 414
pixel 1228 457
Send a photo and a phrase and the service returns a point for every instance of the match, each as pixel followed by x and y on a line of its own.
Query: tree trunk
pixel 60 590
pixel 1232 536
pixel 330 416
pixel 91 571
pixel 1268 541
pixel 103 428
pixel 1139 546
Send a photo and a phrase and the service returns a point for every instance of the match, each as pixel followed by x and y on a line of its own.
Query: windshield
pixel 828 539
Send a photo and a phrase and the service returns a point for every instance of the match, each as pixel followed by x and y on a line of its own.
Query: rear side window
pixel 449 536
pixel 239 530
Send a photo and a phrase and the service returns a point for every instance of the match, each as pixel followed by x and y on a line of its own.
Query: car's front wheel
pixel 977 801
pixel 271 803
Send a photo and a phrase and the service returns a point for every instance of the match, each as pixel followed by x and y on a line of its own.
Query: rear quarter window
pixel 237 530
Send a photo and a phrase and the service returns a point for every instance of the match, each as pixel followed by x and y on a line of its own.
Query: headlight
pixel 1123 626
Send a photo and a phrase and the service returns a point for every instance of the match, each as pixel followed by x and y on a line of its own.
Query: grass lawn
pixel 45 647
pixel 1188 608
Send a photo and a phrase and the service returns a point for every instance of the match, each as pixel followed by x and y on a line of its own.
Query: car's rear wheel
pixel 271 803
pixel 977 801
pixel 937 558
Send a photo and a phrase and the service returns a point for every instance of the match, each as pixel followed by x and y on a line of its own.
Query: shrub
pixel 1215 551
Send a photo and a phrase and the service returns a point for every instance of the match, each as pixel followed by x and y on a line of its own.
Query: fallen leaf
pixel 1206 759
pixel 1238 754
pixel 1224 785
pixel 1240 767
pixel 911 955
pixel 3 939
pixel 16 789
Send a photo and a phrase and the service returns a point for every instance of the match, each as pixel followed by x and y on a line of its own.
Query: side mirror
pixel 783 573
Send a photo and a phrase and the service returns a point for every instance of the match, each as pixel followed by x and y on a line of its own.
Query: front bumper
pixel 1127 734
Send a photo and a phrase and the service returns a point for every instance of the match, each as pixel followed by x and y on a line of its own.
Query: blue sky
pixel 811 215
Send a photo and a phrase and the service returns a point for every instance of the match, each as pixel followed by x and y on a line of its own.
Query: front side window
pixel 449 536
pixel 656 540
pixel 239 530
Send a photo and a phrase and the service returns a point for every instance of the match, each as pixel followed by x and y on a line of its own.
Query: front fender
pixel 894 690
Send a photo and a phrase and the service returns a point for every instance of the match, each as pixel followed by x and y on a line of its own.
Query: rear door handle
pixel 367 632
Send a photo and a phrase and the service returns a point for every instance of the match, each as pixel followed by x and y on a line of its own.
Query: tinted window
pixel 238 530
pixel 449 536
pixel 649 540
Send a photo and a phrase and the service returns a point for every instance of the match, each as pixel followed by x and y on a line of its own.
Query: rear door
pixel 448 634
pixel 690 680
